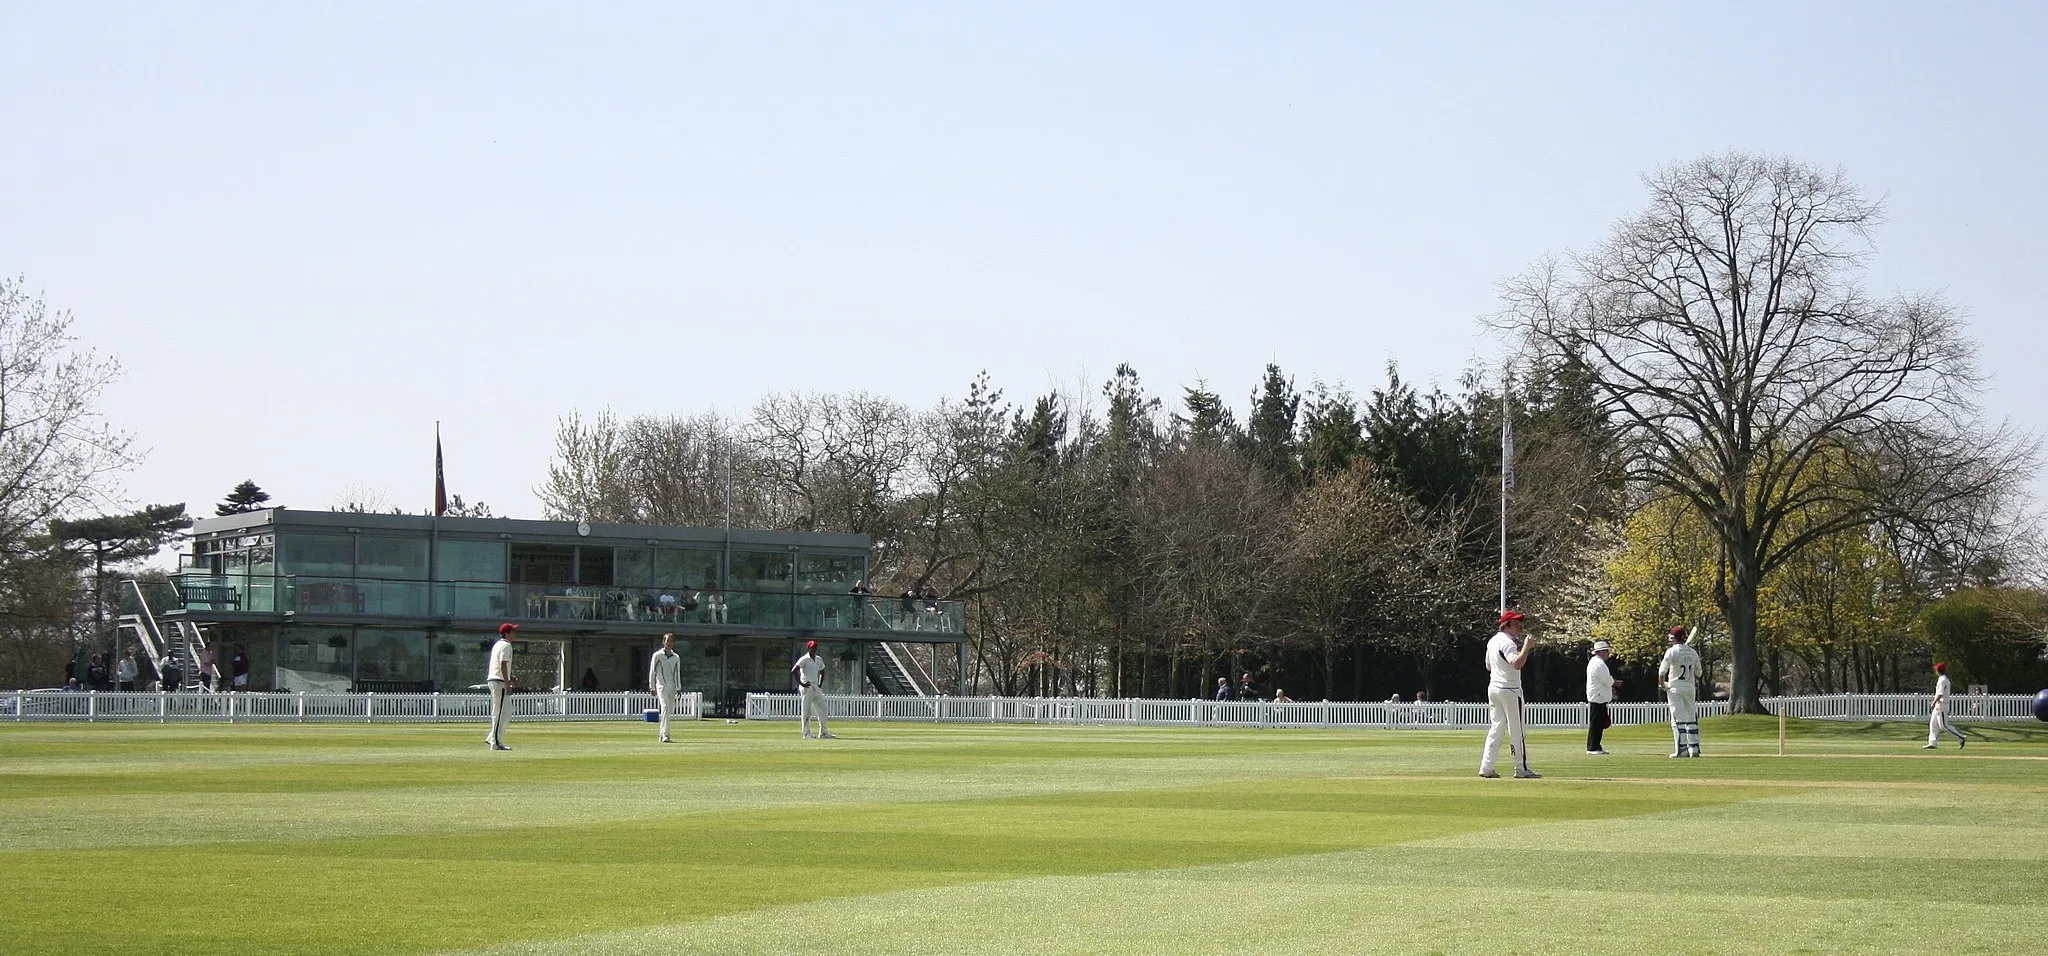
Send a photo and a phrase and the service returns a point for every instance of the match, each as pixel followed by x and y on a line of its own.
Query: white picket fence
pixel 310 707
pixel 1339 714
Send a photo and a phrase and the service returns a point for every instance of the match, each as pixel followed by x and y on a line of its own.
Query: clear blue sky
pixel 309 231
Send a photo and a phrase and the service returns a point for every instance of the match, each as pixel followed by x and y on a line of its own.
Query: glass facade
pixel 325 602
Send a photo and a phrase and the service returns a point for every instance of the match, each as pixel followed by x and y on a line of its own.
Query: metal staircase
pixel 185 643
pixel 894 672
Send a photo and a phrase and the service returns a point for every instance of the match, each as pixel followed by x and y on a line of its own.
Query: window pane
pixel 391 655
pixel 470 560
pixel 391 559
pixel 329 555
pixel 636 567
pixel 685 568
pixel 460 661
pixel 317 659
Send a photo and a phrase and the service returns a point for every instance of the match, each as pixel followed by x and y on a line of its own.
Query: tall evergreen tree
pixel 1332 435
pixel 245 497
pixel 1208 421
pixel 113 539
pixel 1269 436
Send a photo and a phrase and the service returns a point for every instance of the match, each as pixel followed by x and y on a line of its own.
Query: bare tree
pixel 587 479
pixel 1727 335
pixel 56 453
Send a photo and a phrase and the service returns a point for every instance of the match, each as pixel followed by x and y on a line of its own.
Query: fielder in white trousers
pixel 814 709
pixel 1937 719
pixel 1506 708
pixel 665 678
pixel 500 708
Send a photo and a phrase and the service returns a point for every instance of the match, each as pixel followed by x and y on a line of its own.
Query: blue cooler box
pixel 651 716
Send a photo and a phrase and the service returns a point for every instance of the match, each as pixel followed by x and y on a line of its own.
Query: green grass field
pixel 973 839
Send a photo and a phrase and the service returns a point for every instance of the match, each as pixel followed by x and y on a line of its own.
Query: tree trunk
pixel 1743 697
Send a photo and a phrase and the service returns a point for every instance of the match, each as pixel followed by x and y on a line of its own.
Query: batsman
pixel 1679 674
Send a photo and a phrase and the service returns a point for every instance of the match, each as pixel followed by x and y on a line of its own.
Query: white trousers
pixel 1685 717
pixel 1506 706
pixel 665 698
pixel 1938 722
pixel 500 709
pixel 813 708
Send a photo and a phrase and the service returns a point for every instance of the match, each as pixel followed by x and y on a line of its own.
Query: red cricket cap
pixel 1941 667
pixel 811 645
pixel 1507 617
pixel 1678 631
pixel 507 628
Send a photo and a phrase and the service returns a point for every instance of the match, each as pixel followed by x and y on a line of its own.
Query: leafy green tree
pixel 1992 636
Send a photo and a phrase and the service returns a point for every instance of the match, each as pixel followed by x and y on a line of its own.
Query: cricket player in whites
pixel 1938 720
pixel 810 670
pixel 498 677
pixel 1506 653
pixel 665 679
pixel 1679 674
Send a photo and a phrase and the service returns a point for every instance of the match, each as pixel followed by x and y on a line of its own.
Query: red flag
pixel 440 481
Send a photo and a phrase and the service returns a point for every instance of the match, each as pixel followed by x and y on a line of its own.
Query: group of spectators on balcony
pixel 915 606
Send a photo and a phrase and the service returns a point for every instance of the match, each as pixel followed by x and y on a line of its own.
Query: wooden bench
pixel 214 596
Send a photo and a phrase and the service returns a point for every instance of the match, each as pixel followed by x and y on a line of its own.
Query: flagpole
pixel 434 530
pixel 1507 481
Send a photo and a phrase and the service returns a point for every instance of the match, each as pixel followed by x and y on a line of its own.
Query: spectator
pixel 238 668
pixel 1280 696
pixel 96 673
pixel 71 684
pixel 1222 688
pixel 714 607
pixel 209 669
pixel 1246 690
pixel 931 606
pixel 910 608
pixel 173 675
pixel 126 672
pixel 590 678
pixel 691 602
pixel 860 593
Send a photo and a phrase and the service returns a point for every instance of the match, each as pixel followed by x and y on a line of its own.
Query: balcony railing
pixel 311 595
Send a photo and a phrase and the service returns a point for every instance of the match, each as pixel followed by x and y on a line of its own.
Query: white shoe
pixel 1527 775
pixel 1928 747
pixel 828 736
pixel 808 735
pixel 1680 754
pixel 666 740
pixel 1596 753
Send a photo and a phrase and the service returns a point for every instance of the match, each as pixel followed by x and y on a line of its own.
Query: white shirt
pixel 126 669
pixel 1941 688
pixel 1500 662
pixel 1599 682
pixel 665 671
pixel 1680 667
pixel 501 661
pixel 809 668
